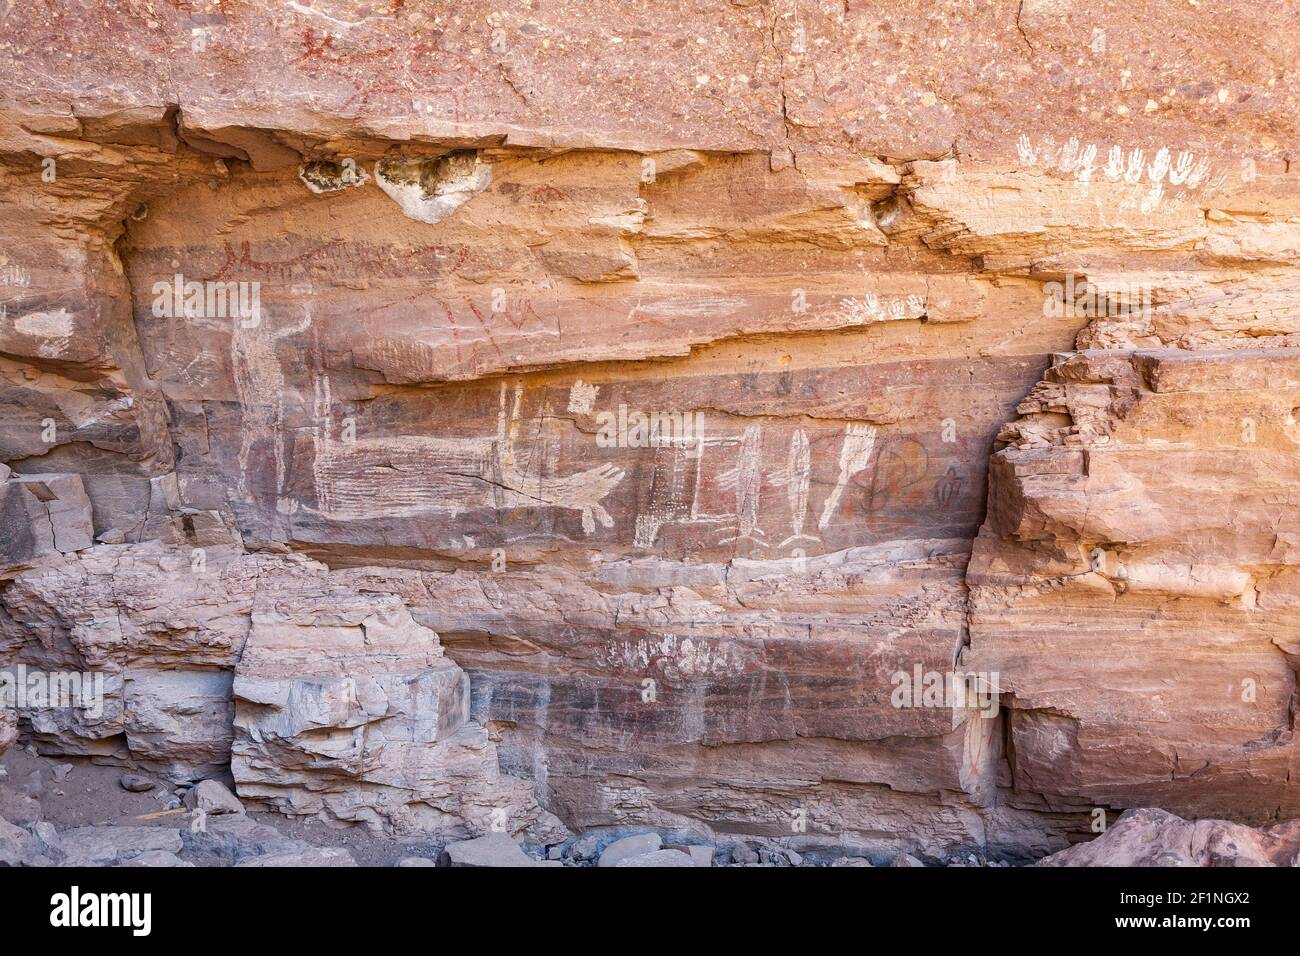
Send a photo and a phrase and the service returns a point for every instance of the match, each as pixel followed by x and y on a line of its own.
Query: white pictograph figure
pixel 745 480
pixel 405 475
pixel 796 479
pixel 678 486
pixel 855 455
pixel 258 380
pixel 259 387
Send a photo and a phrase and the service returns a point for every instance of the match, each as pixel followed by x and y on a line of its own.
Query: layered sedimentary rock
pixel 346 709
pixel 336 704
pixel 464 431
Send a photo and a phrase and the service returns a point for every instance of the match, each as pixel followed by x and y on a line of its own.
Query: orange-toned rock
pixel 690 381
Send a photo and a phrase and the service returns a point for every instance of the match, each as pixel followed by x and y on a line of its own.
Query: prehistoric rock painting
pixel 415 474
pixel 683 479
pixel 378 558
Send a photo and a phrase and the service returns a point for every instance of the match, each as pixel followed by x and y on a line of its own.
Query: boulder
pixel 347 709
pixel 8 726
pixel 743 854
pixel 135 783
pixel 111 845
pixel 231 838
pixel 17 845
pixel 212 797
pixel 702 855
pixel 490 850
pixel 1151 837
pixel 629 846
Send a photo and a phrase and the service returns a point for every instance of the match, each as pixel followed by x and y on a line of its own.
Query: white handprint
pixel 1136 166
pixel 1159 168
pixel 1028 155
pixel 1115 164
pixel 1178 174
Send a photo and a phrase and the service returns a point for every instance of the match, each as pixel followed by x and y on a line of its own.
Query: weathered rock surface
pixel 659 858
pixel 135 783
pixel 1155 838
pixel 309 856
pixel 437 437
pixel 638 844
pixel 43 515
pixel 347 709
pixel 211 796
pixel 488 851
pixel 16 844
pixel 8 728
pixel 110 846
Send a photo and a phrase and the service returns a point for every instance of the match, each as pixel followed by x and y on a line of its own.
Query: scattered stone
pixel 490 850
pixel 16 844
pixel 48 838
pixel 156 858
pixel 657 858
pixel 212 797
pixel 305 856
pixel 32 785
pixel 135 783
pixel 235 837
pixel 630 846
pixel 744 855
pixel 905 859
pixel 851 861
pixel 702 855
pixel 106 846
pixel 585 847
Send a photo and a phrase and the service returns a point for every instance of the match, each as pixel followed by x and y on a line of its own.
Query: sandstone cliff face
pixel 444 418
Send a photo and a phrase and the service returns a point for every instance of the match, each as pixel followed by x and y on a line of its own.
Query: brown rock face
pixel 871 426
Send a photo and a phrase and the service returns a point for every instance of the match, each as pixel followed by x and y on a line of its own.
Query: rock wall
pixel 676 375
